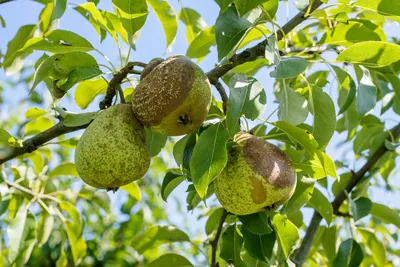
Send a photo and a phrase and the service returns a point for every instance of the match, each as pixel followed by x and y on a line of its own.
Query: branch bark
pixel 339 199
pixel 214 243
pixel 247 55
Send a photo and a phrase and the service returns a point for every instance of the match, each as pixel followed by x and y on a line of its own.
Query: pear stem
pixel 214 243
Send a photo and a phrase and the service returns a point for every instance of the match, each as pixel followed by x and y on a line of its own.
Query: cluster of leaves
pixel 49 215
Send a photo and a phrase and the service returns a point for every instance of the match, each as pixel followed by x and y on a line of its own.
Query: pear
pixel 150 66
pixel 112 152
pixel 258 176
pixel 174 98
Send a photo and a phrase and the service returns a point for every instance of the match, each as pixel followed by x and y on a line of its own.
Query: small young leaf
pixel 209 157
pixel 170 182
pixel 33 113
pixel 247 97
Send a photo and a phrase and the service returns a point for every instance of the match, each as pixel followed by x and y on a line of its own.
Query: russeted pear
pixel 174 98
pixel 112 151
pixel 258 176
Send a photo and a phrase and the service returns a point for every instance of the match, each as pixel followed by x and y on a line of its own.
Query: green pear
pixel 174 98
pixel 112 152
pixel 258 176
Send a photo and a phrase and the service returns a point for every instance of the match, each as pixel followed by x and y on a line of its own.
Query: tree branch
pixel 339 199
pixel 214 243
pixel 33 143
pixel 116 81
pixel 224 97
pixel 213 75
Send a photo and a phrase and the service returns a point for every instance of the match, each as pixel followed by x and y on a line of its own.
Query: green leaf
pixel 64 169
pixel 375 245
pixel 319 166
pixel 329 241
pixel 2 22
pixel 62 260
pixel 155 142
pixel 348 34
pixel 133 190
pixel 304 138
pixel 256 223
pixel 209 157
pixel 60 66
pixel 349 254
pixel 193 21
pixel 384 7
pixel 286 233
pixel 170 182
pixel 289 67
pixel 386 214
pixel 201 44
pixel 167 17
pixel 302 194
pixel 58 9
pixel 347 86
pixel 136 18
pixel 13 55
pixel 29 240
pixel 223 4
pixel 45 228
pixel 319 202
pixel 78 75
pixel 128 10
pixel 371 54
pixel 170 260
pixel 247 97
pixel 213 221
pixel 179 148
pixel 365 137
pixel 323 109
pixel 259 246
pixel 33 113
pixel 158 235
pixel 366 96
pixel 360 208
pixel 73 119
pixel 292 105
pixel 59 41
pixel 230 29
pixel 38 125
pixel 4 138
pixel 231 245
pixel 15 232
pixel 86 91
pixel 244 6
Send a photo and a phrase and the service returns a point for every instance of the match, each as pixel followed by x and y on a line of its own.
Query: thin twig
pixel 224 97
pixel 214 243
pixel 30 192
pixel 339 199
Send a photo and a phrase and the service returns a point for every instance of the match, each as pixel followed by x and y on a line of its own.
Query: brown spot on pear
pixel 112 151
pixel 258 176
pixel 174 98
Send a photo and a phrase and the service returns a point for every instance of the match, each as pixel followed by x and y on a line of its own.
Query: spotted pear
pixel 258 176
pixel 174 98
pixel 112 151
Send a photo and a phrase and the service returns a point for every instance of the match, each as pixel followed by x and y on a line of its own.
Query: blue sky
pixel 152 44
